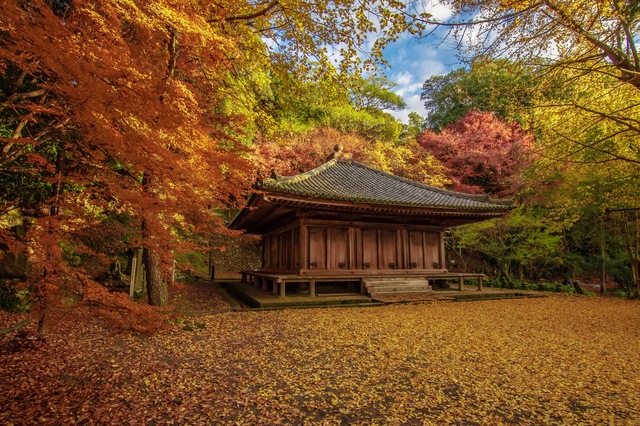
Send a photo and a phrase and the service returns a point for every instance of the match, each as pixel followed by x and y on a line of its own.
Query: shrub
pixel 9 300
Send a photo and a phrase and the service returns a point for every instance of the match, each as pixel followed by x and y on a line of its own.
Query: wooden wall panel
pixel 286 250
pixel 388 249
pixel 295 249
pixel 338 245
pixel 274 257
pixel 369 249
pixel 266 251
pixel 317 248
pixel 416 250
pixel 432 250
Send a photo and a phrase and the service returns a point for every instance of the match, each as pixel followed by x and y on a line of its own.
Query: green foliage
pixel 373 127
pixel 523 237
pixel 416 125
pixel 374 94
pixel 622 294
pixel 9 300
pixel 14 297
pixel 498 86
pixel 192 326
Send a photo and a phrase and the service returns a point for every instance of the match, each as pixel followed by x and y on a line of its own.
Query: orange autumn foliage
pixel 122 90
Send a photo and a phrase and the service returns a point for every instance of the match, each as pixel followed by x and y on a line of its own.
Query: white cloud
pixel 428 68
pixel 439 10
pixel 403 79
pixel 414 104
pixel 410 79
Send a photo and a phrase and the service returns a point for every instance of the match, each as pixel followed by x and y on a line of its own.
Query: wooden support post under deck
pixel 480 283
pixel 312 288
pixel 275 287
pixel 282 286
pixel 460 283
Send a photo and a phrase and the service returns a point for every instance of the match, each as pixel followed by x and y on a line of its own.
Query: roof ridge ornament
pixel 338 154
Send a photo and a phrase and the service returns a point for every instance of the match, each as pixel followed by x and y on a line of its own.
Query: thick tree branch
pixel 248 16
pixel 173 52
pixel 629 73
pixel 20 96
pixel 505 17
pixel 592 146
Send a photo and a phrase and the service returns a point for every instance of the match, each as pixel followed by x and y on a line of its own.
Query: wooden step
pixel 399 290
pixel 396 285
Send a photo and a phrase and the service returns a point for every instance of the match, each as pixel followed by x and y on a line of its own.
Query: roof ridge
pixel 340 179
pixel 306 175
pixel 476 197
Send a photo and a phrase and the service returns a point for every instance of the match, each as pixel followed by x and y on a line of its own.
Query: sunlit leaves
pixel 297 154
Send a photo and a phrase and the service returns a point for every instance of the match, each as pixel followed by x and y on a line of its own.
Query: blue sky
pixel 413 61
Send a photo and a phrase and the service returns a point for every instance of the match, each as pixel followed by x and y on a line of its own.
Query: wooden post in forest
pixel 136 283
pixel 132 280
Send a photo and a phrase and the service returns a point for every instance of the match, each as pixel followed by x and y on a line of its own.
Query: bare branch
pixel 20 96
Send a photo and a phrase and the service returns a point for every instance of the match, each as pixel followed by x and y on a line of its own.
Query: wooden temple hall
pixel 345 227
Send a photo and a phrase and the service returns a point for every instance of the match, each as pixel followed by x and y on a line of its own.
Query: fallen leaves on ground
pixel 198 297
pixel 535 361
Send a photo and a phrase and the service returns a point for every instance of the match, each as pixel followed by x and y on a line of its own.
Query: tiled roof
pixel 356 182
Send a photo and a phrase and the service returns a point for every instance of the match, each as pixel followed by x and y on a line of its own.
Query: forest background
pixel 128 125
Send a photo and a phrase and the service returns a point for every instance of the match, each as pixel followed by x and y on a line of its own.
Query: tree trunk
pixel 54 210
pixel 44 318
pixel 504 273
pixel 631 243
pixel 157 290
pixel 603 253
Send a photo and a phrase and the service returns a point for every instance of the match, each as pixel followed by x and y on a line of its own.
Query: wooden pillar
pixel 279 283
pixel 351 248
pixel 460 283
pixel 442 251
pixel 480 283
pixel 304 246
pixel 312 288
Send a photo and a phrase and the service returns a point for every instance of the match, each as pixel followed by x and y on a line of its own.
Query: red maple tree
pixel 481 152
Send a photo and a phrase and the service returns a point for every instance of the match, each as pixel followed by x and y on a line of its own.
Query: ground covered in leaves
pixel 562 359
